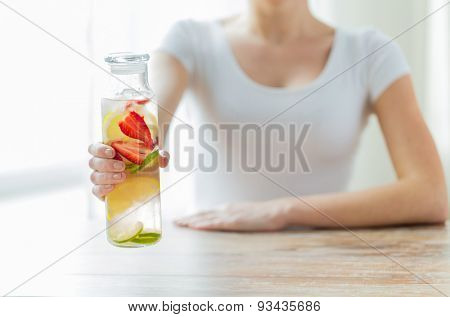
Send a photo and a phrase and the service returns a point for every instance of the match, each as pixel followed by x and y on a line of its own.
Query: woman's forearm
pixel 404 202
pixel 168 79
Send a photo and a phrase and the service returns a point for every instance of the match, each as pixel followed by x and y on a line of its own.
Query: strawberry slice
pixel 133 151
pixel 138 102
pixel 142 101
pixel 134 126
pixel 117 157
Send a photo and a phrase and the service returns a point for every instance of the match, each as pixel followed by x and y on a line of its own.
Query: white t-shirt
pixel 334 106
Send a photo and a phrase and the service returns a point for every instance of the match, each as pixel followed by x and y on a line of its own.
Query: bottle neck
pixel 131 84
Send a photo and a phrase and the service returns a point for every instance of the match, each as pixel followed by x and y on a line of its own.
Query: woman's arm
pixel 168 78
pixel 418 196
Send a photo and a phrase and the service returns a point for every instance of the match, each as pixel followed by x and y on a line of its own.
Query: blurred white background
pixel 50 94
pixel 50 105
pixel 50 98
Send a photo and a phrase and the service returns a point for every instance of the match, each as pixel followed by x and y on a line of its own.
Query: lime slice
pixel 148 233
pixel 150 160
pixel 147 237
pixel 126 233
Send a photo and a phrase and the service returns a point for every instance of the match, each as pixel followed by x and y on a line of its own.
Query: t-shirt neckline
pixel 295 89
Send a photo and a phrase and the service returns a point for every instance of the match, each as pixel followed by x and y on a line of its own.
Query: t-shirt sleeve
pixel 386 63
pixel 179 43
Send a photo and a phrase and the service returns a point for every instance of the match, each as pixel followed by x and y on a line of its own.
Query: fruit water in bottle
pixel 130 126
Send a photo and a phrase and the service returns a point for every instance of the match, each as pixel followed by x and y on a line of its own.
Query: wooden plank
pixel 292 263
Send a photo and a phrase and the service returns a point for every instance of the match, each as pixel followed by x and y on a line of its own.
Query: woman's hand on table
pixel 107 171
pixel 246 216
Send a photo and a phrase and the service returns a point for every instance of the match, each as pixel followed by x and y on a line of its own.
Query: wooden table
pixel 195 263
pixel 297 263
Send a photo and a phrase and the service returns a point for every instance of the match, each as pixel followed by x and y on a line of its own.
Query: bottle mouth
pixel 127 62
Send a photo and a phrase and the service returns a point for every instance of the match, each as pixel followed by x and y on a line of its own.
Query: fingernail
pixel 108 186
pixel 118 165
pixel 117 176
pixel 109 152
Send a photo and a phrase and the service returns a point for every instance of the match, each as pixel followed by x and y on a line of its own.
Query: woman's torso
pixel 324 117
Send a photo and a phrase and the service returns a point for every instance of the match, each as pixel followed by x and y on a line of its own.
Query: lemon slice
pixel 151 119
pixel 153 187
pixel 124 233
pixel 135 189
pixel 152 123
pixel 111 129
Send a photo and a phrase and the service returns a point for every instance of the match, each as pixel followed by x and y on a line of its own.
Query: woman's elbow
pixel 440 214
pixel 436 204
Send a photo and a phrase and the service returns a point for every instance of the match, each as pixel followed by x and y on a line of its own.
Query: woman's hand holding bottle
pixel 107 171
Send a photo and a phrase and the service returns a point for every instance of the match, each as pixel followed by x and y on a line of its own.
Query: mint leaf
pixel 134 168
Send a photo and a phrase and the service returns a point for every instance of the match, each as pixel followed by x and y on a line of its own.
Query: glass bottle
pixel 130 126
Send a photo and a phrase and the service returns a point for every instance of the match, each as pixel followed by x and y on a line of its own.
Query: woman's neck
pixel 282 22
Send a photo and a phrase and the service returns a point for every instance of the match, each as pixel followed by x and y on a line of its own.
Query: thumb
pixel 164 158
